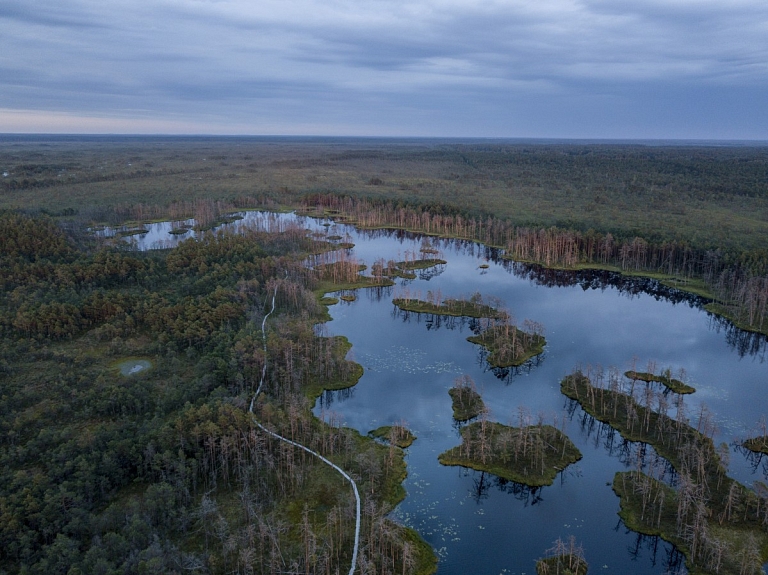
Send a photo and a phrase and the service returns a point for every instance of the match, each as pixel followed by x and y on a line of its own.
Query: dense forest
pixel 162 469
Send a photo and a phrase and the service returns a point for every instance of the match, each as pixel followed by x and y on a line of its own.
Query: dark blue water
pixel 477 523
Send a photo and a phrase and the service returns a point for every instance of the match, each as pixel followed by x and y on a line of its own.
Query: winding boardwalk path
pixel 300 446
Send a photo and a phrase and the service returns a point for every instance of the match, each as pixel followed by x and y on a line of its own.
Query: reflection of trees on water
pixel 482 482
pixel 632 454
pixel 600 280
pixel 429 273
pixel 756 460
pixel 672 561
pixel 507 374
pixel 434 321
pixel 528 495
pixel 480 487
pixel 376 294
pixel 328 397
pixel 744 342
pixel 459 425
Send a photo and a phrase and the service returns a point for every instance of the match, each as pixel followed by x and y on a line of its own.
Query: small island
pixel 532 455
pixel 565 558
pixel 757 444
pixel 467 403
pixel 397 434
pixel 561 565
pixel 404 269
pixel 665 378
pixel 510 346
pixel 474 306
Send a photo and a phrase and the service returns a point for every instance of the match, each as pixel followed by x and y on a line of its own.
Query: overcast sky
pixel 508 68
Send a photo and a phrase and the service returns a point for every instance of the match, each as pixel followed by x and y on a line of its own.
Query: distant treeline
pixel 737 280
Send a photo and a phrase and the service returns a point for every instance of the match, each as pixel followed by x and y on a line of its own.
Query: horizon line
pixel 526 139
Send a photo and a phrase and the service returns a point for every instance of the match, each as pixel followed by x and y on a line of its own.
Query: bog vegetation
pixel 466 401
pixel 530 454
pixel 163 470
pixel 720 525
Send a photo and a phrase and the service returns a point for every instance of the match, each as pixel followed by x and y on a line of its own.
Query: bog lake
pixel 478 523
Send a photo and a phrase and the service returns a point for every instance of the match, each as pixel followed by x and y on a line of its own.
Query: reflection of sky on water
pixel 478 524
pixel 460 512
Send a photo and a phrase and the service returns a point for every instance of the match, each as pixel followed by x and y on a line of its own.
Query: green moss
pixel 566 564
pixel 422 264
pixel 757 444
pixel 744 547
pixel 425 559
pixel 532 455
pixel 467 402
pixel 664 378
pixel 508 345
pixel 731 313
pixel 127 233
pixel 401 435
pixel 351 371
pixel 452 307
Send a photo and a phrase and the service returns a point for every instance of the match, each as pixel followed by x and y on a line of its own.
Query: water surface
pixel 476 522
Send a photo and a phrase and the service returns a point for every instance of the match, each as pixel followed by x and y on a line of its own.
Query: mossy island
pixel 532 455
pixel 467 402
pixel 665 378
pixel 346 375
pixel 718 524
pixel 404 269
pixel 474 306
pixel 757 444
pixel 564 558
pixel 397 434
pixel 345 274
pixel 510 346
pixel 561 565
pixel 133 232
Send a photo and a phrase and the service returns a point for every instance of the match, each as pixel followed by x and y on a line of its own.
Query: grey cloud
pixel 449 63
pixel 48 14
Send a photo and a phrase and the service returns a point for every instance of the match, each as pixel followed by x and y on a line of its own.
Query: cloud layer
pixel 553 68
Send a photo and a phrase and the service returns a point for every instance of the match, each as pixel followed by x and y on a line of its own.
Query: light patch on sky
pixel 504 68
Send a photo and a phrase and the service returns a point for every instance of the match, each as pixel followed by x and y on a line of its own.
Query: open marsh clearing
pixel 133 366
pixel 482 524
